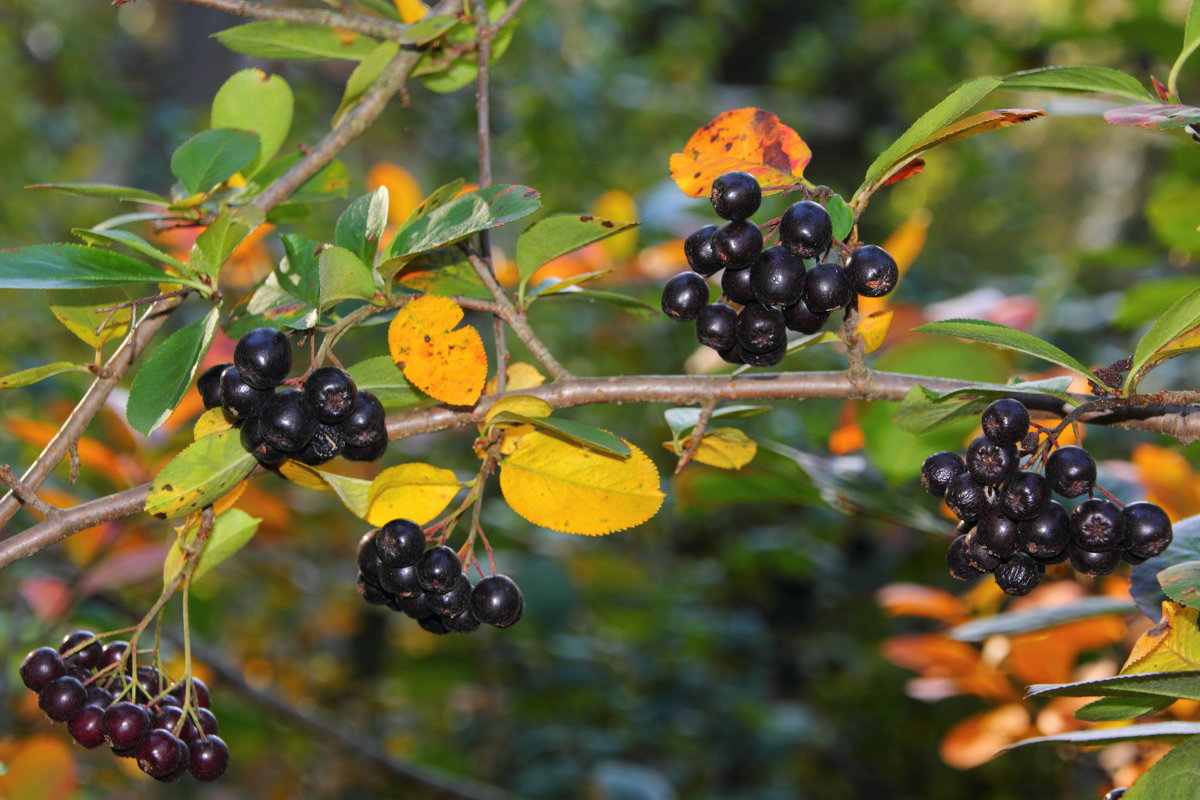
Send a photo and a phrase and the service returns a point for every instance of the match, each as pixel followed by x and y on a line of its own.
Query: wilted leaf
pixel 724 448
pixel 1154 117
pixel 353 492
pixel 747 139
pixel 200 474
pixel 564 487
pixel 411 491
pixel 442 360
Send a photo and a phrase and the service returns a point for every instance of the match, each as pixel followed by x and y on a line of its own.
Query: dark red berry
pixel 200 695
pixel 160 753
pixel 263 357
pixel 400 542
pixel 208 722
pixel 738 244
pixel 1047 535
pixel 1093 563
pixel 966 497
pixel 872 271
pixel 1148 529
pixel 999 534
pixel 1097 525
pixel 208 758
pixel 698 249
pixel 1024 495
pixel 1005 421
pixel 1071 471
pixel 958 559
pixel 760 329
pixel 365 426
pixel 209 384
pixel 99 696
pixel 172 718
pixel 112 653
pixel 800 318
pixel 438 569
pixel 151 681
pixel 939 469
pixel 84 726
pixel 1019 575
pixel 826 288
pixel 88 656
pixel 735 195
pixel 806 228
pixel 735 285
pixel 990 463
pixel 40 667
pixel 716 326
pixel 62 697
pixel 777 277
pixel 125 724
pixel 497 601
pixel 239 399
pixel 684 296
pixel 330 393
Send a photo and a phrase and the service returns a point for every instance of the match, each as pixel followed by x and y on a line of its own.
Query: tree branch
pixel 72 520
pixel 359 23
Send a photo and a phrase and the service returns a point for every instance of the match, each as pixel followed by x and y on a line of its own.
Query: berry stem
pixel 1108 494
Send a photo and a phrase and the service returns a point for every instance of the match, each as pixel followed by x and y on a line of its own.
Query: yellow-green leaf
pixel 76 309
pixel 210 422
pixel 205 470
pixel 523 404
pixel 411 491
pixel 724 448
pixel 1173 644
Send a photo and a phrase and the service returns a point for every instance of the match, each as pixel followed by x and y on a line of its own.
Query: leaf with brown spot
pixel 444 361
pixel 747 139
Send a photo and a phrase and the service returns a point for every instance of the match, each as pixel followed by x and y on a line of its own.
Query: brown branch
pixel 697 434
pixel 27 495
pixel 359 23
pixel 72 520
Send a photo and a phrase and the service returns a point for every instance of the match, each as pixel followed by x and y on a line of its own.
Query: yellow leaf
pixel 411 10
pixel 748 139
pixel 874 329
pixel 230 498
pixel 520 376
pixel 558 485
pixel 303 475
pixel 353 492
pixel 404 193
pixel 724 448
pixel 76 309
pixel 1170 646
pixel 210 422
pixel 904 245
pixel 411 491
pixel 519 404
pixel 618 204
pixel 446 363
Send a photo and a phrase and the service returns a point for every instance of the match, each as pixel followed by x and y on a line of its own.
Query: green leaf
pixel 200 474
pixel 222 237
pixel 441 77
pixel 1191 42
pixel 361 225
pixel 1178 319
pixel 132 219
pixel 1054 387
pixel 363 76
pixel 842 215
pixel 1181 582
pixel 70 266
pixel 167 375
pixel 1128 733
pixel 465 216
pixel 211 157
pixel 381 377
pixel 558 235
pixel 428 28
pixel 300 272
pixel 1177 774
pixel 1149 300
pixel 278 39
pixel 1002 336
pixel 1078 80
pixel 1015 622
pixel 343 277
pixel 272 306
pixel 447 272
pixel 554 285
pixel 1114 709
pixel 683 419
pixel 1172 685
pixel 621 301
pixel 105 191
pixel 918 413
pixel 32 375
pixel 1170 212
pixel 576 432
pixel 436 199
pixel 330 183
pixel 1143 583
pixel 232 530
pixel 251 100
pixel 354 493
pixel 131 240
pixel 964 97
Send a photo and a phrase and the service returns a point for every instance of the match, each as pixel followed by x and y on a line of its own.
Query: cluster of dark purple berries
pixel 395 570
pixel 327 417
pixel 775 289
pixel 1013 528
pixel 83 684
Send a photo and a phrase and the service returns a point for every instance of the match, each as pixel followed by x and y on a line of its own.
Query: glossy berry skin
pixel 415 606
pixel 806 229
pixel 939 469
pixel 330 393
pixel 966 498
pixel 438 569
pixel 208 758
pixel 716 326
pixel 1005 421
pixel 365 426
pixel 767 359
pixel 209 384
pixel 826 288
pixel 998 534
pixel 1024 495
pixel 733 355
pixel 62 697
pixel 464 622
pixel 239 399
pixel 97 696
pixel 760 329
pixel 735 285
pixel 1093 563
pixel 369 562
pixel 1147 528
pixel 89 656
pixel 453 601
pixel 125 725
pixel 1047 535
pixel 324 446
pixel 371 452
pixel 990 463
pixel 1019 575
pixel 373 595
pixel 1071 471
pixel 263 357
pixel 979 555
pixel 160 753
pixel 400 581
pixel 112 653
pixel 802 319
pixel 286 422
pixel 958 559
pixel 735 195
pixel 84 726
pixel 684 296
pixel 737 244
pixel 40 667
pixel 400 543
pixel 254 444
pixel 873 271
pixel 777 277
pixel 698 249
pixel 497 600
pixel 1097 525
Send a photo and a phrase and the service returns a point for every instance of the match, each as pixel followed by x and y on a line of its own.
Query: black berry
pixel 738 243
pixel 684 296
pixel 286 422
pixel 766 359
pixel 330 393
pixel 497 601
pixel 733 355
pixel 1024 495
pixel 716 326
pixel 806 228
pixel 464 622
pixel 1093 563
pixel 990 463
pixel 1097 525
pixel 369 561
pixel 239 399
pixel 760 329
pixel 979 555
pixel 826 288
pixel 40 667
pixel 400 543
pixel 735 195
pixel 1019 575
pixel 369 452
pixel 735 285
pixel 84 726
pixel 373 595
pixel 208 758
pixel 88 656
pixel 966 497
pixel 698 249
pixel 958 559
pixel 400 581
pixel 454 600
pixel 365 426
pixel 939 469
pixel 800 318
pixel 1005 421
pixel 415 606
pixel 62 697
pixel 997 533
pixel 872 271
pixel 263 357
pixel 324 445
pixel 209 384
pixel 1047 535
pixel 160 753
pixel 254 444
pixel 777 278
pixel 1071 471
pixel 438 569
pixel 1147 528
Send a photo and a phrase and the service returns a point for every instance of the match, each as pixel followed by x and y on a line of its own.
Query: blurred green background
pixel 730 647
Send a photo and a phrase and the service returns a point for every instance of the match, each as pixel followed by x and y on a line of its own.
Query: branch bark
pixel 359 23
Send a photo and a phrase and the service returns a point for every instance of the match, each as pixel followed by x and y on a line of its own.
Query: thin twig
pixel 27 495
pixel 697 434
pixel 359 23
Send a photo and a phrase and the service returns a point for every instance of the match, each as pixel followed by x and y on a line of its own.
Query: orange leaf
pixel 748 139
pixel 978 739
pixel 41 767
pixel 445 362
pixel 1051 655
pixel 932 654
pixel 1169 479
pixel 93 455
pixel 912 599
pixel 914 167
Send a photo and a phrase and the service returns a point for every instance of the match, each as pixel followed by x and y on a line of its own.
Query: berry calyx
pixel 1024 495
pixel 990 463
pixel 263 357
pixel 777 277
pixel 737 243
pixel 684 296
pixel 497 601
pixel 400 543
pixel 699 252
pixel 735 195
pixel 760 329
pixel 939 469
pixel 330 393
pixel 873 271
pixel 826 288
pixel 1097 525
pixel 1005 421
pixel 806 228
pixel 1071 471
pixel 716 326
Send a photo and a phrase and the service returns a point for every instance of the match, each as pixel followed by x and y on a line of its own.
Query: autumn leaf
pixel 42 767
pixel 747 139
pixel 212 421
pixel 873 329
pixel 445 362
pixel 413 491
pixel 1172 644
pixel 912 599
pixel 559 485
pixel 724 448
pixel 519 376
pixel 978 739
pixel 523 404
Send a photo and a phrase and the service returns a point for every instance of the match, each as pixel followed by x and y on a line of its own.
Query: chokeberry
pixel 365 426
pixel 735 195
pixel 1047 535
pixel 400 543
pixel 979 555
pixel 84 726
pixel 990 463
pixel 958 559
pixel 160 753
pixel 400 581
pixel 1024 495
pixel 324 445
pixel 369 561
pixel 760 329
pixel 200 694
pixel 800 318
pixel 239 399
pixel 87 656
pixel 415 606
pixel 806 228
pixel 209 384
pixel 684 296
pixel 698 249
pixel 1097 525
pixel 826 288
pixel 1071 471
pixel 286 422
pixel 716 326
pixel 125 724
pixel 1148 529
pixel 735 285
pixel 1019 574
pixel 497 601
pixel 150 679
pixel 872 270
pixel 263 357
pixel 1093 563
pixel 112 653
pixel 371 452
pixel 208 758
pixel 966 497
pixel 733 355
pixel 767 359
pixel 253 443
pixel 1005 421
pixel 372 594
pixel 939 469
pixel 99 696
pixel 463 622
pixel 438 569
pixel 62 697
pixel 40 667
pixel 999 534
pixel 738 243
pixel 454 600
pixel 777 277
pixel 434 624
pixel 330 393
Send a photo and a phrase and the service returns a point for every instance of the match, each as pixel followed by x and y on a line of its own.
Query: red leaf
pixel 1154 117
pixel 914 167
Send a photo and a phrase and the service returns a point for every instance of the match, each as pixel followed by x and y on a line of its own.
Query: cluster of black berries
pixel 1014 528
pixel 84 685
pixel 328 417
pixel 395 570
pixel 777 293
